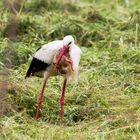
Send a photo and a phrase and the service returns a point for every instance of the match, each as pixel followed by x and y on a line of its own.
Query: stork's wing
pixel 47 52
pixel 43 57
pixel 36 66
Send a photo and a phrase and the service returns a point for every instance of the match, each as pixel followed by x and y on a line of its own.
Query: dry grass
pixel 106 102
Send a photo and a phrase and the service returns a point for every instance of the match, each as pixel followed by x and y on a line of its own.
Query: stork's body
pixel 59 57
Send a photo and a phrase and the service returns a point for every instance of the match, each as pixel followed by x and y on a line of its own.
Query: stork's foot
pixel 62 112
pixel 38 114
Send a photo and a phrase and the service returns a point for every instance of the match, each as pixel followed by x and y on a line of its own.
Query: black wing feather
pixel 36 66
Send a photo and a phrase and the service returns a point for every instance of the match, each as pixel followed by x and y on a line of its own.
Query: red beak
pixel 62 52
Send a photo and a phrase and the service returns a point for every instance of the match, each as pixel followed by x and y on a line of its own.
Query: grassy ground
pixel 106 102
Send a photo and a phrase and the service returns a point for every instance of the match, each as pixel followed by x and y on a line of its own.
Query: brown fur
pixel 65 64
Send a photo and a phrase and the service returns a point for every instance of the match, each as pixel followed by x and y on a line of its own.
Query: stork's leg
pixel 62 101
pixel 40 100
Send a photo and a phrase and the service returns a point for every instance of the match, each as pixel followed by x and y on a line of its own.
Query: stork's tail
pixel 29 71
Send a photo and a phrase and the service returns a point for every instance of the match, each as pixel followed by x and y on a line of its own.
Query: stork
pixel 60 57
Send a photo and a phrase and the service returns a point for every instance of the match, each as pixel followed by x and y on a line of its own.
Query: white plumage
pixel 48 51
pixel 75 57
pixel 59 57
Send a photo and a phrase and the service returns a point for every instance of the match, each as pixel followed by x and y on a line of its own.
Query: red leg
pixel 62 101
pixel 40 101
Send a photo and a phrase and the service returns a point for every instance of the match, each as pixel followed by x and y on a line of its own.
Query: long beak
pixel 62 52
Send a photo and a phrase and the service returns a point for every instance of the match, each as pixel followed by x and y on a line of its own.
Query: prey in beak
pixel 62 62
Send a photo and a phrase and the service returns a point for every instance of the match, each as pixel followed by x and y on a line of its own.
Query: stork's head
pixel 68 41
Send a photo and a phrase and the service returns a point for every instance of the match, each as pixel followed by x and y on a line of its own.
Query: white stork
pixel 60 57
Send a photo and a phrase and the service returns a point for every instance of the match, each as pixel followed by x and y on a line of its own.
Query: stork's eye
pixel 69 43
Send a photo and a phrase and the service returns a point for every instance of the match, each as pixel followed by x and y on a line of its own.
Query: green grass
pixel 106 102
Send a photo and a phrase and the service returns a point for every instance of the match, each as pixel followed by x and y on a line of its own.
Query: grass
pixel 106 102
